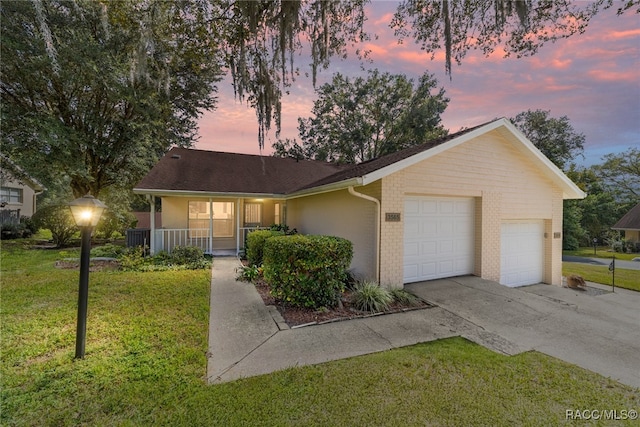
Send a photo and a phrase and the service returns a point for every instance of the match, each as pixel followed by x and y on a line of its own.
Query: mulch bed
pixel 294 316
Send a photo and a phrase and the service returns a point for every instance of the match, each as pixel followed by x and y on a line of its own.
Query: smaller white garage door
pixel 438 237
pixel 522 253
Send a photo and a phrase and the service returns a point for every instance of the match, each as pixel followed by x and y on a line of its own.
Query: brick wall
pixel 392 233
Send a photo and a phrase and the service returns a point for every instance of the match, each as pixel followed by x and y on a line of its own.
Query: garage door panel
pixel 411 207
pixel 428 248
pixel 446 207
pixel 445 227
pixel 522 252
pixel 445 238
pixel 428 207
pixel 411 249
pixel 464 208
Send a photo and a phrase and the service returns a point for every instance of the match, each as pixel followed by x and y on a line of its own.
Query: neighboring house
pixel 483 201
pixel 630 224
pixel 18 192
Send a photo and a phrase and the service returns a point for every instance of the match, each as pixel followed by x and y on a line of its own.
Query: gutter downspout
pixel 377 202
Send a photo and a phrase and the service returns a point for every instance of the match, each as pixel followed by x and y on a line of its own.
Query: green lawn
pixel 628 279
pixel 601 252
pixel 145 365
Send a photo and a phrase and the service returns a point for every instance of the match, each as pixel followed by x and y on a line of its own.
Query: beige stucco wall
pixel 633 235
pixel 340 214
pixel 506 186
pixel 28 205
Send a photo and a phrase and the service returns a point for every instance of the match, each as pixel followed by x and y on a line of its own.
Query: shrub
pixel 114 221
pixel 22 230
pixel 58 219
pixel 109 250
pixel 307 271
pixel 248 273
pixel 369 296
pixel 255 245
pixel 403 297
pixel 181 258
pixel 186 254
pixel 284 228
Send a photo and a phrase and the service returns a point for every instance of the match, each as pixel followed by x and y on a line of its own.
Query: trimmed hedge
pixel 307 271
pixel 255 245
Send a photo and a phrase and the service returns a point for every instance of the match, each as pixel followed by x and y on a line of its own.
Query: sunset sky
pixel 592 78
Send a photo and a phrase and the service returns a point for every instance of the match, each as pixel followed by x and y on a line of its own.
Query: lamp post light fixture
pixel 86 212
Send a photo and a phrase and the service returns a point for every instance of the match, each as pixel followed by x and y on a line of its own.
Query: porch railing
pixel 168 238
pixel 8 216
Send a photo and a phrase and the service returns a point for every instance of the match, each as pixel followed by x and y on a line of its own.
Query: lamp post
pixel 86 212
pixel 595 245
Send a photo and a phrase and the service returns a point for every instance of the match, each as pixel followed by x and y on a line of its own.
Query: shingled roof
pixel 187 170
pixel 196 171
pixel 373 165
pixel 630 221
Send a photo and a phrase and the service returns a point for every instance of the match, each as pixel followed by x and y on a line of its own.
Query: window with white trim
pixel 11 195
pixel 276 214
pixel 252 214
pixel 223 219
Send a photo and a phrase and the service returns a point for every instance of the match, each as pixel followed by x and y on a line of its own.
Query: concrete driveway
pixel 597 330
pixel 620 263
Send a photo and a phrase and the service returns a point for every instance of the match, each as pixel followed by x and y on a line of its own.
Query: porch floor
pixel 223 252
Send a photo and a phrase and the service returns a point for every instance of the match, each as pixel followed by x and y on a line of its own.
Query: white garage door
pixel 438 237
pixel 522 253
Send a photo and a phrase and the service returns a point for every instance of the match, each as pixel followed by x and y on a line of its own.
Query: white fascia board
pixel 410 161
pixel 569 189
pixel 340 185
pixel 184 193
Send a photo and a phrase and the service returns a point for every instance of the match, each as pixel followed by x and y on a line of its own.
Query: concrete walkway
pixel 246 338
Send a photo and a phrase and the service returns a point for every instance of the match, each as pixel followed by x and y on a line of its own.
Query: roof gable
pixel 373 170
pixel 11 172
pixel 630 221
pixel 187 171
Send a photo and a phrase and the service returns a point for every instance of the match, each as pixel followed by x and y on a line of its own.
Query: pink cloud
pixel 629 76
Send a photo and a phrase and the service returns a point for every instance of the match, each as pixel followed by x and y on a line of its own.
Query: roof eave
pixel 335 186
pixel 416 158
pixel 217 194
pixel 570 191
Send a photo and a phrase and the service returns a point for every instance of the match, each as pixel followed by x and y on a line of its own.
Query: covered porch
pixel 216 225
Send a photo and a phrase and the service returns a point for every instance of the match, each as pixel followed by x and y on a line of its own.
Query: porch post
pixel 237 226
pixel 152 223
pixel 210 239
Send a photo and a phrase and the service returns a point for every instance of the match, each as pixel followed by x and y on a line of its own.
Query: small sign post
pixel 612 269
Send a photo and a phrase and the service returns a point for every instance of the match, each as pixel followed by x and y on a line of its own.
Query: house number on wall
pixel 392 217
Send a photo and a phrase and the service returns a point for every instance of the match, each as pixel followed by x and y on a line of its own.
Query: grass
pixel 628 279
pixel 146 362
pixel 601 252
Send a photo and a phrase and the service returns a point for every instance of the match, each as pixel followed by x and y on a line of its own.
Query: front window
pixel 11 195
pixel 252 214
pixel 276 214
pixel 199 215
